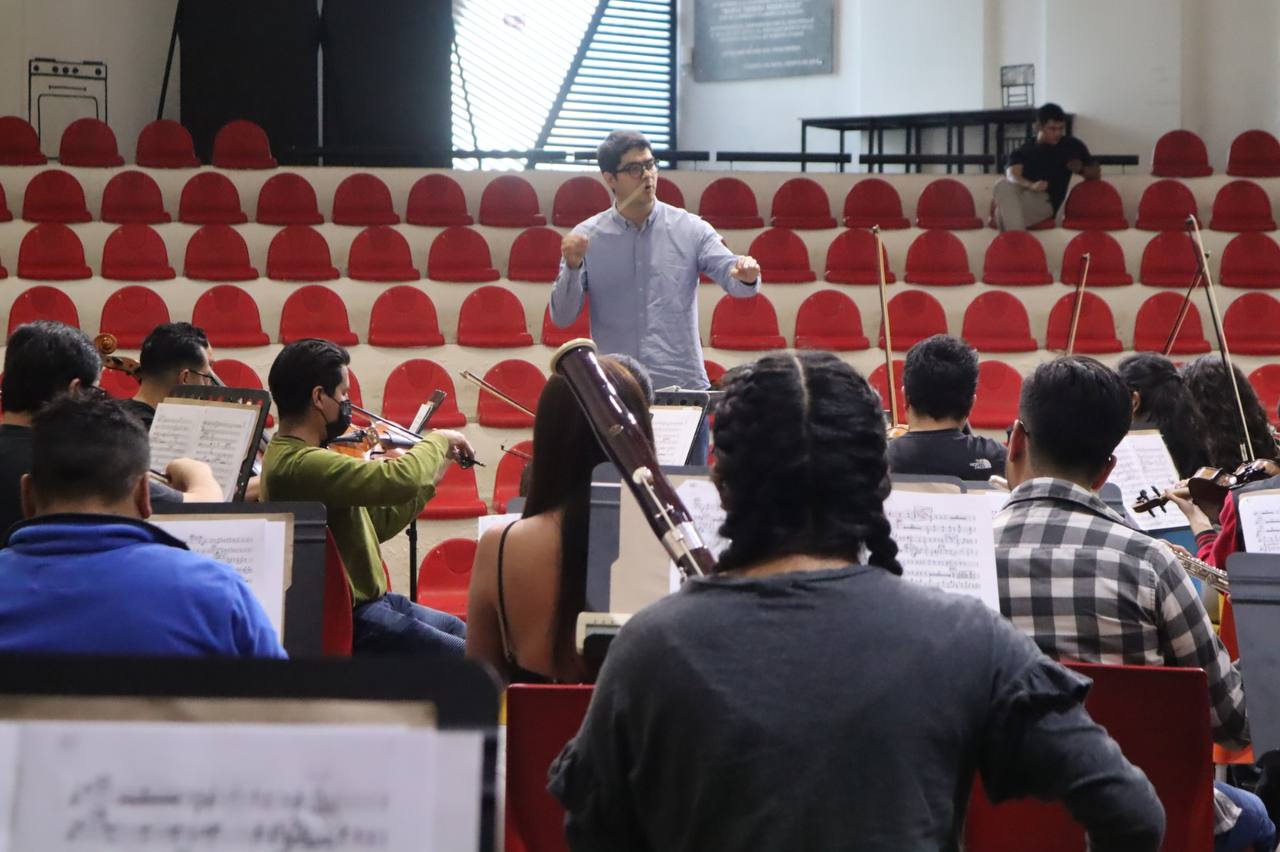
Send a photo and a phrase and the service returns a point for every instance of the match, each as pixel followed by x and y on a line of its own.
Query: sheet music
pixel 996 498
pixel 674 428
pixel 1260 521
pixel 455 823
pixel 702 500
pixel 946 541
pixel 217 433
pixel 9 754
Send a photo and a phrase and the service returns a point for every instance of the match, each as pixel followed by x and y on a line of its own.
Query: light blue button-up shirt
pixel 644 289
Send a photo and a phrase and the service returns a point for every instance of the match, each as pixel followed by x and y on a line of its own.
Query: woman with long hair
pixel 1206 379
pixel 1164 402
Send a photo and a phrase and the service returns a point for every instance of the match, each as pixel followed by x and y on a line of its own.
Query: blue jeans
pixel 1253 832
pixel 393 624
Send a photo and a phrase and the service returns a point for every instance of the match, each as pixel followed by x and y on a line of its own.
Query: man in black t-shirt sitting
pixel 940 381
pixel 174 353
pixel 1035 182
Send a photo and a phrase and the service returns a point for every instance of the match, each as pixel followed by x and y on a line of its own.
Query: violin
pixel 1207 486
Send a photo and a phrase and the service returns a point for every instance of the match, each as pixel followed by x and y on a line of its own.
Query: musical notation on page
pixel 946 541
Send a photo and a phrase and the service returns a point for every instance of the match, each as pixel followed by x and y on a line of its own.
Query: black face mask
pixel 334 428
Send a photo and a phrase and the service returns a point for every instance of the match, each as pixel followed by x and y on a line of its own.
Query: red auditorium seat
pixel 1169 260
pixel 166 144
pixel 118 384
pixel 1096 332
pixel 460 254
pixel 89 142
pixel 873 201
pixel 493 318
pixel 411 384
pixel 363 199
pixel 437 201
pixel 999 386
pixel 52 252
pixel 133 198
pixel 1180 153
pixel 19 143
pixel 1254 153
pixel 728 202
pixel 43 303
pixel 715 372
pixel 1094 205
pixel 668 192
pixel 511 467
pixel 54 196
pixel 242 145
pixel 554 335
pixel 749 323
pixel 445 576
pixel 519 380
pixel 4 273
pixel 131 313
pixel 316 311
pixel 801 203
pixel 937 257
pixel 288 199
pixel 135 253
pixel 354 389
pixel 210 198
pixel 829 320
pixel 1155 320
pixel 1265 381
pixel 230 317
pixel 1250 260
pixel 535 256
pixel 946 203
pixel 1015 259
pixel 1165 206
pixel 998 322
pixel 404 316
pixel 913 316
pixel 1242 205
pixel 299 253
pixel 851 259
pixel 1252 325
pixel 1106 261
pixel 540 721
pixel 456 496
pixel 876 380
pixel 5 215
pixel 509 201
pixel 218 253
pixel 783 257
pixel 578 199
pixel 381 253
pixel 237 374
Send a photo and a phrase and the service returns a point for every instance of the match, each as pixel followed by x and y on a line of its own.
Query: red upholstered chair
pixel 363 199
pixel 1251 259
pixel 1180 153
pixel 218 253
pixel 1155 320
pixel 1169 260
pixel 89 142
pixel 410 384
pixel 668 192
pixel 5 215
pixel 210 198
pixel 554 335
pixel 913 316
pixel 535 256
pixel 288 199
pixel 19 143
pixel 519 380
pixel 1242 205
pixel 873 201
pixel 445 575
pixel 456 496
pixel 316 311
pixel 511 467
pixel 135 253
pixel 829 320
pixel 1254 153
pixel 166 144
pixel 998 388
pixel 229 316
pixel 1165 206
pixel 946 203
pixel 509 201
pixel 1015 259
pixel 299 253
pixel 118 384
pixel 52 252
pixel 577 199
pixel 851 259
pixel 1096 332
pixel 877 382
pixel 131 313
pixel 54 196
pixel 1252 324
pixel 1265 381
pixel 404 316
pixel 728 202
pixel 783 257
pixel 937 257
pixel 801 203
pixel 748 323
pixel 242 145
pixel 460 254
pixel 43 303
pixel 998 322
pixel 381 253
pixel 437 200
pixel 540 721
pixel 492 318
pixel 1094 205
pixel 133 198
pixel 1106 260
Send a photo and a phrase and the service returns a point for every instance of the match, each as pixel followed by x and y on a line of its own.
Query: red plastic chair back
pixel 1180 153
pixel 851 259
pixel 946 203
pixel 118 384
pixel 783 257
pixel 52 252
pixel 715 372
pixel 1094 205
pixel 133 198
pixel 801 203
pixel 218 253
pixel 363 199
pixel 509 201
pixel 5 215
pixel 938 258
pixel 492 317
pixel 381 253
pixel 1096 332
pixel 1254 153
pixel 54 196
pixel 540 722
pixel 242 145
pixel 316 311
pixel 210 198
pixel 1015 259
pixel 1265 381
pixel 43 303
pixel 1169 260
pixel 1250 260
pixel 554 335
pixel 131 313
pixel 519 380
pixel 166 144
pixel 511 467
pixel 728 202
pixel 1252 325
pixel 89 142
pixel 299 253
pixel 668 192
pixel 873 201
pixel 1106 260
pixel 1165 206
pixel 337 631
pixel 445 575
pixel 913 316
pixel 749 323
pixel 237 374
pixel 535 256
pixel 877 382
pixel 135 253
pixel 456 497
pixel 1155 320
pixel 999 387
pixel 1241 205
pixel 411 384
pixel 404 316
pixel 829 320
pixel 19 143
pixel 437 201
pixel 288 199
pixel 578 199
pixel 998 322
pixel 230 318
pixel 460 254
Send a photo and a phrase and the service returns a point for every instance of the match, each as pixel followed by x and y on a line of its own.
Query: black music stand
pixel 241 396
pixel 1255 600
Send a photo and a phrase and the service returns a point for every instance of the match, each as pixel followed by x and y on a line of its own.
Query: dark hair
pixel 170 347
pixel 1075 410
pixel 1166 402
pixel 617 143
pixel 638 372
pixel 301 366
pixel 1206 379
pixel 565 451
pixel 87 445
pixel 40 360
pixel 824 495
pixel 1050 112
pixel 940 377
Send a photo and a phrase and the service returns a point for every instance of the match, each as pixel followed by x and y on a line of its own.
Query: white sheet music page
pixel 946 541
pixel 702 500
pixel 9 733
pixel 674 428
pixel 217 433
pixel 1260 520
pixel 1143 463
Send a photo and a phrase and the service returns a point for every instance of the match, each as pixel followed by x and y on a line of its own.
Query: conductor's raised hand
pixel 573 248
pixel 746 269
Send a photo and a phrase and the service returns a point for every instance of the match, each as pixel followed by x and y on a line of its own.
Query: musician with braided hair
pixel 805 696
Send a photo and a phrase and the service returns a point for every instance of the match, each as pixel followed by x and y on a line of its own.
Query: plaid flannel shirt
pixel 1086 586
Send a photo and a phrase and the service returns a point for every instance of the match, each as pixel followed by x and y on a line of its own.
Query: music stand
pixel 239 396
pixel 1255 600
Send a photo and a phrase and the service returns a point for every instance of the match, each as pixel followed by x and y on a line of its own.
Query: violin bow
pixel 483 385
pixel 1078 305
pixel 890 379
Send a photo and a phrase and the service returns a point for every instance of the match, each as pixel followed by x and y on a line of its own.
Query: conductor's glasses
pixel 637 169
